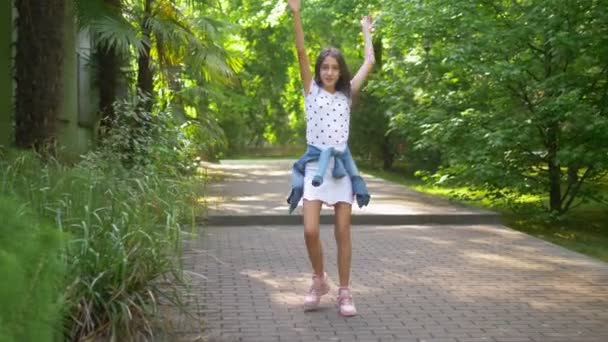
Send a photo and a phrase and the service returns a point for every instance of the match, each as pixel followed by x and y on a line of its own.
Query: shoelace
pixel 313 290
pixel 316 290
pixel 346 299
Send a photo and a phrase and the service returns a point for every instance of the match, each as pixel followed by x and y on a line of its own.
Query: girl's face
pixel 330 72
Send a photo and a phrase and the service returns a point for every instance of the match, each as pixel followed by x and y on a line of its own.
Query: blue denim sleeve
pixel 360 191
pixel 359 187
pixel 323 163
pixel 297 177
pixel 297 188
pixel 349 163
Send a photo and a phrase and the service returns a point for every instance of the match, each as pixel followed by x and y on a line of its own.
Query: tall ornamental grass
pixel 124 225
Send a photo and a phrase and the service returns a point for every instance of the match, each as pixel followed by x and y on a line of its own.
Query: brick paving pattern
pixel 411 283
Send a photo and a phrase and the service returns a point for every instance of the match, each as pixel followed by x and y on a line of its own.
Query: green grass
pixel 583 229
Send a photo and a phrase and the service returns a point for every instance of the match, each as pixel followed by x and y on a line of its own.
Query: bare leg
pixel 312 211
pixel 342 233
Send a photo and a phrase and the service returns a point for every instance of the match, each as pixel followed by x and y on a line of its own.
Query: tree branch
pixel 576 189
pixel 536 49
pixel 534 155
pixel 532 75
pixel 597 79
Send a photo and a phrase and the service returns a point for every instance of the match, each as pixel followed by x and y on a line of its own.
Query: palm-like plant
pixel 173 47
pixel 172 37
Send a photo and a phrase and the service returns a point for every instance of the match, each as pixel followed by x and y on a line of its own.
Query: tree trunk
pixel 555 193
pixel 378 51
pixel 108 67
pixel 177 102
pixel 388 156
pixel 387 148
pixel 39 71
pixel 573 174
pixel 6 74
pixel 145 83
pixel 552 140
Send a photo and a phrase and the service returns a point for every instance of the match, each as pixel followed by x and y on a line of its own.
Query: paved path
pixel 418 283
pixel 255 192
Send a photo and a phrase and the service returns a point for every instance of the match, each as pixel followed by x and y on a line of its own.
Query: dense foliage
pixel 512 94
pixel 32 272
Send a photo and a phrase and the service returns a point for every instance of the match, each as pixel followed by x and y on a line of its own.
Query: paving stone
pixel 490 284
pixel 464 283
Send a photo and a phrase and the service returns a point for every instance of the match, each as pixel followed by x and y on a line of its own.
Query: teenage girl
pixel 328 99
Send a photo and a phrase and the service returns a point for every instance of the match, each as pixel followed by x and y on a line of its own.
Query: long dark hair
pixel 343 83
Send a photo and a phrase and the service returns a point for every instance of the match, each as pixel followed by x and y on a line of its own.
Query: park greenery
pixel 502 104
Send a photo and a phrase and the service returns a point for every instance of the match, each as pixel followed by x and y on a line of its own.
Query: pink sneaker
pixel 346 306
pixel 318 288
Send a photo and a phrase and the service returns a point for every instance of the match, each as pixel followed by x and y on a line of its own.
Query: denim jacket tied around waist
pixel 343 165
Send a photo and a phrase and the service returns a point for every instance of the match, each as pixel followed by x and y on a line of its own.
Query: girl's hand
pixel 294 5
pixel 366 24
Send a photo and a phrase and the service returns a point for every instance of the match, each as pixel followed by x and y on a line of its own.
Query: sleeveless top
pixel 327 118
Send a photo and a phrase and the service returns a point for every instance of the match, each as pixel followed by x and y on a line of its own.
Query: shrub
pixel 32 273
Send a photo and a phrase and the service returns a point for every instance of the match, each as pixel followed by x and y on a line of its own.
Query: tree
pixel 270 92
pixel 39 71
pixel 177 49
pixel 109 62
pixel 511 93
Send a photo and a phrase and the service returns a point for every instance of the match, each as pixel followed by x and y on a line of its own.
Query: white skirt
pixel 332 191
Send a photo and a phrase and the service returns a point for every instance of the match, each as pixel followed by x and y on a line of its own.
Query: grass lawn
pixel 583 229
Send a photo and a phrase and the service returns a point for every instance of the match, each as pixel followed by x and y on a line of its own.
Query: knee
pixel 342 231
pixel 311 233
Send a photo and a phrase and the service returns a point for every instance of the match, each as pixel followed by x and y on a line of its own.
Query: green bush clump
pixel 124 207
pixel 32 275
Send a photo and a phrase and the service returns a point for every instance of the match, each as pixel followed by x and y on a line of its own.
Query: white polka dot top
pixel 327 118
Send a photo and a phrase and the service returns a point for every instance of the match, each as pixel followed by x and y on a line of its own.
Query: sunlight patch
pixel 501 260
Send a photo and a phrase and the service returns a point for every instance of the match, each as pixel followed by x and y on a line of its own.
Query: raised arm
pixel 305 72
pixel 357 82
